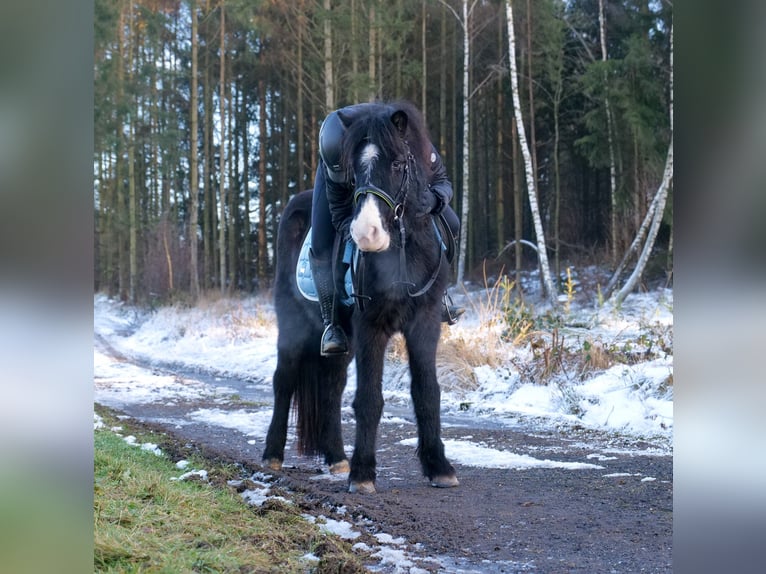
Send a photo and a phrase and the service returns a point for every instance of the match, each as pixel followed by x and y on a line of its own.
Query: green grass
pixel 145 522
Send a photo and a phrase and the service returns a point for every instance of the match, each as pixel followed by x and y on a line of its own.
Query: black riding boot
pixel 450 312
pixel 334 341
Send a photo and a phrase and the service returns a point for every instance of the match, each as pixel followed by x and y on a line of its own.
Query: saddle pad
pixel 305 279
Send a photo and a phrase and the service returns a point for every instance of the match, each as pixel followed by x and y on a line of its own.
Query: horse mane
pixel 376 126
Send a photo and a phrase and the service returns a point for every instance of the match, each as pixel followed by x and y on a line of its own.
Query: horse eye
pixel 396 165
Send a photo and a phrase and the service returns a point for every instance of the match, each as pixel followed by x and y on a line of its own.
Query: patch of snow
pixel 472 454
pixel 202 474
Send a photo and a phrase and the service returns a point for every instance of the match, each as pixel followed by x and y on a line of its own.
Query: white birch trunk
pixel 531 184
pixel 466 163
pixel 659 202
pixel 662 195
pixel 610 142
pixel 648 218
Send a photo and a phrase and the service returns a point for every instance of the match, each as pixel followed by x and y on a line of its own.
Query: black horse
pixel 399 281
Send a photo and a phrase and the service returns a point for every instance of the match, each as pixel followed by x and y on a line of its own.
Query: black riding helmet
pixel 330 135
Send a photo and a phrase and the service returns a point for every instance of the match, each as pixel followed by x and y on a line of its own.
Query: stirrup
pixel 450 312
pixel 334 341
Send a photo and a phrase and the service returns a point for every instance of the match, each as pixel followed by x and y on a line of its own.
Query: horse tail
pixel 307 403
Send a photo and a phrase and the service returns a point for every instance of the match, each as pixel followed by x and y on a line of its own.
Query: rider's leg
pixel 334 340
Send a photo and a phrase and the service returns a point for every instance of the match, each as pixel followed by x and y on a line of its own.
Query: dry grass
pixel 461 350
pixel 240 319
pixel 455 359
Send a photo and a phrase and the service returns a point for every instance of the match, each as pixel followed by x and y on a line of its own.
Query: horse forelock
pixel 377 128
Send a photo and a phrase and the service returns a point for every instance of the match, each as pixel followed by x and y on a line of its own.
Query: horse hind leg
pixel 284 387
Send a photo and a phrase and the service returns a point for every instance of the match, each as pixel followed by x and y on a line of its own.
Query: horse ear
pixel 345 118
pixel 400 120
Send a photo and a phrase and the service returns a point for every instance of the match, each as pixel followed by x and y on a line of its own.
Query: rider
pixel 332 209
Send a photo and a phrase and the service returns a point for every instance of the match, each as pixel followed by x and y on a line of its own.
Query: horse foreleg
pixel 368 407
pixel 284 387
pixel 422 339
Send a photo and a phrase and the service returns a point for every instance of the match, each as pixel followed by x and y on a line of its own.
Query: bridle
pixel 398 208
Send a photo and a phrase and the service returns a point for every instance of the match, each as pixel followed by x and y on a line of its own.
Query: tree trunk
pixel 531 184
pixel 610 141
pixel 329 81
pixel 556 185
pixel 518 222
pixel 531 96
pixel 232 159
pixel 373 50
pixel 443 85
pixel 208 210
pixel 247 248
pixel 193 160
pixel 500 191
pixel 299 119
pixel 395 35
pixel 222 155
pixel 262 251
pixel 132 207
pixel 354 52
pixel 423 56
pixel 466 145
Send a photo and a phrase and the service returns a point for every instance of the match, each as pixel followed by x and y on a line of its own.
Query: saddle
pixel 305 279
pixel 349 260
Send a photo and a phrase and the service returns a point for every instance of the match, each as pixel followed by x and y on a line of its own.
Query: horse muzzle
pixel 367 229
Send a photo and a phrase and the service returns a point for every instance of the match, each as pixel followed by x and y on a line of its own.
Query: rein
pixel 398 210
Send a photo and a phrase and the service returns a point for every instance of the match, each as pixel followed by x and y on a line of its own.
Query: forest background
pixel 206 117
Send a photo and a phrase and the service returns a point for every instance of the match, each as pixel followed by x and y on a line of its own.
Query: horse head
pixel 386 150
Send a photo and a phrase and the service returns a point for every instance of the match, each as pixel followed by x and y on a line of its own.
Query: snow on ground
pixel 237 338
pixel 469 453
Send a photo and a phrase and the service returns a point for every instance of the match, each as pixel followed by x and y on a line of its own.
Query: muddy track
pixel 617 518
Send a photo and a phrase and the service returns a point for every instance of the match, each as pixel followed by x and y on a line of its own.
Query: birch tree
pixel 658 202
pixel 528 168
pixel 464 207
pixel 465 203
pixel 610 141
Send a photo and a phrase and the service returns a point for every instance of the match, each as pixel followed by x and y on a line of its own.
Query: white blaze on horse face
pixel 367 228
pixel 368 156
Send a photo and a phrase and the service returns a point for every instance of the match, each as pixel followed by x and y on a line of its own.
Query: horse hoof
pixel 366 487
pixel 273 464
pixel 340 467
pixel 447 481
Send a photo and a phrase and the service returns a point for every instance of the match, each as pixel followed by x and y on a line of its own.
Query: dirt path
pixel 617 518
